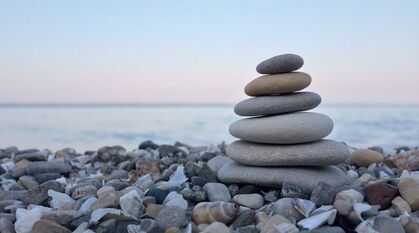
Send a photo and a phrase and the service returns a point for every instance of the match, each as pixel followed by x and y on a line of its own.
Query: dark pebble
pixel 380 194
pixel 197 180
pixel 171 151
pixel 44 177
pixel 148 145
pixel 244 219
pixel 158 194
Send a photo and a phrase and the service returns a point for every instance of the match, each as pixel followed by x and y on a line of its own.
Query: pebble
pixel 217 192
pixel 196 194
pixel 158 194
pixel 34 168
pixel 384 224
pixel 283 129
pixel 323 194
pixel 6 226
pixel 44 177
pixel 28 182
pixel 104 190
pixel 326 229
pixel 320 153
pixel 244 219
pixel 39 194
pixel 207 173
pixel 132 204
pixel 84 191
pixel 271 105
pixel 253 201
pixel 62 217
pixel 170 216
pixel 366 157
pixel 153 209
pixel 175 199
pixel 216 227
pixel 209 212
pixel 285 207
pixel 110 200
pixel 305 178
pixel 46 226
pixel 60 200
pixel 32 156
pixel 272 222
pixel 399 207
pixel 280 64
pixel 380 194
pixel 276 84
pixel 148 145
pixel 409 189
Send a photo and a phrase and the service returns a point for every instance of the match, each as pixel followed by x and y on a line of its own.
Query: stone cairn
pixel 280 143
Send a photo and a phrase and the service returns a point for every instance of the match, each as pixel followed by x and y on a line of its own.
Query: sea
pixel 91 126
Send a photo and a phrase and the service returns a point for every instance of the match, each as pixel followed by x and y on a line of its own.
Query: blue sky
pixel 204 51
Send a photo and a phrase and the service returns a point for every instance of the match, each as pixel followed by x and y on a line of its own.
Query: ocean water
pixel 91 127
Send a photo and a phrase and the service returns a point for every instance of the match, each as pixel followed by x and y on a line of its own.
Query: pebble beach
pixel 174 188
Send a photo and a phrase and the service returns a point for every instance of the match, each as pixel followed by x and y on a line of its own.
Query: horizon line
pixel 174 104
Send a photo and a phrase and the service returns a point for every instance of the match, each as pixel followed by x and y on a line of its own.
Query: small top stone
pixel 280 64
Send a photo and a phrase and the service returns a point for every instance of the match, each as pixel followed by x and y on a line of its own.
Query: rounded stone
pixel 306 178
pixel 365 157
pixel 271 105
pixel 280 64
pixel 276 84
pixel 253 201
pixel 170 216
pixel 409 189
pixel 217 192
pixel 289 128
pixel 320 153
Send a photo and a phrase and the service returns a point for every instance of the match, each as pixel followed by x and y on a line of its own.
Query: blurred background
pixel 85 74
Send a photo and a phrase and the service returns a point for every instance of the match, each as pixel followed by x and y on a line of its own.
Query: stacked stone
pixel 279 142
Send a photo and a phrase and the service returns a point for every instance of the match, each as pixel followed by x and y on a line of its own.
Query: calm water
pixel 86 128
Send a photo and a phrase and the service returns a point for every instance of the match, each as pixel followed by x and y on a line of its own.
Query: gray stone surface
pixel 280 64
pixel 289 128
pixel 217 162
pixel 171 216
pixel 270 105
pixel 217 192
pixel 320 153
pixel 306 178
pixel 275 84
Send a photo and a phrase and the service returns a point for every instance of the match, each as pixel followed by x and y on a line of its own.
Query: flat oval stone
pixel 289 128
pixel 276 84
pixel 304 177
pixel 270 105
pixel 320 153
pixel 280 64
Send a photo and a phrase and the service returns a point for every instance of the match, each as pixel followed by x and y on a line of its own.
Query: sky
pixel 153 51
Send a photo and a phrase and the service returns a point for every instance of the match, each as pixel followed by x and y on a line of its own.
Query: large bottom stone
pixel 304 177
pixel 320 153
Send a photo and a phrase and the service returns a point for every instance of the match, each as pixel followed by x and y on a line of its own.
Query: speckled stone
pixel 320 153
pixel 270 105
pixel 305 178
pixel 276 84
pixel 292 128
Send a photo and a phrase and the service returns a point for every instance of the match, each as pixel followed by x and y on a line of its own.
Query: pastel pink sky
pixel 154 52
